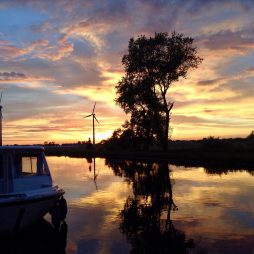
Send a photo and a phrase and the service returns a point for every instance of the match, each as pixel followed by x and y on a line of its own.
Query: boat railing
pixel 23 195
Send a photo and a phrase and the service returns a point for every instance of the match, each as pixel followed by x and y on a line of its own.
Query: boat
pixel 27 192
pixel 40 238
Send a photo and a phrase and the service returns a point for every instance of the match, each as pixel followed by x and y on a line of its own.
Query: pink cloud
pixel 55 52
pixel 238 41
pixel 250 70
pixel 8 51
pixel 39 48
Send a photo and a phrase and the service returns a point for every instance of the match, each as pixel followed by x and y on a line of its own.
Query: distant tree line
pixel 125 139
pixel 88 144
pixel 216 143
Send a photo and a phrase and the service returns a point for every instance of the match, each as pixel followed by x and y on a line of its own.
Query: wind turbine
pixel 1 118
pixel 94 117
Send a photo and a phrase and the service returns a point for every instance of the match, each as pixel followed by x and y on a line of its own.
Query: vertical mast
pixel 1 119
pixel 1 131
pixel 93 132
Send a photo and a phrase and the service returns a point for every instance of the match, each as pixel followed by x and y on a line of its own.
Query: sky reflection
pixel 215 208
pixel 93 213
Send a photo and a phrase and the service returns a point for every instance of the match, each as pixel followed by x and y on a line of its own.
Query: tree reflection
pixel 146 217
pixel 224 171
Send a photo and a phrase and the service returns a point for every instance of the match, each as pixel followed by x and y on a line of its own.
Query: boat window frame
pixel 7 179
pixel 41 166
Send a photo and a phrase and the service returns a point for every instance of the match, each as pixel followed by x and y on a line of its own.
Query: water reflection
pixel 146 216
pixel 153 208
pixel 42 238
pixel 92 164
pixel 92 214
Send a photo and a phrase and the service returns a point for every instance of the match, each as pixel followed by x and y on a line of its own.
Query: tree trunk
pixel 165 138
pixel 165 134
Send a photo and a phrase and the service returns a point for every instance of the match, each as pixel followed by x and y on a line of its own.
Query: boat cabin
pixel 23 168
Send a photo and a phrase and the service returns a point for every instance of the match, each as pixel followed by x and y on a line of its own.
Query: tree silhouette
pixel 152 65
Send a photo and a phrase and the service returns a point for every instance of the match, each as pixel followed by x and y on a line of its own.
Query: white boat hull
pixel 22 213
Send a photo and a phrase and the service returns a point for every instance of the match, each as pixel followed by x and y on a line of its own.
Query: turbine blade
pixel 94 107
pixel 87 116
pixel 96 119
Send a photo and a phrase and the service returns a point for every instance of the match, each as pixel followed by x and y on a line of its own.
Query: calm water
pixel 130 207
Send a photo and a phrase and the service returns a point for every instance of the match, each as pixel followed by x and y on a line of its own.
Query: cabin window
pixel 29 165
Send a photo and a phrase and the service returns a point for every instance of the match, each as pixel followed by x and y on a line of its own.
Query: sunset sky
pixel 58 57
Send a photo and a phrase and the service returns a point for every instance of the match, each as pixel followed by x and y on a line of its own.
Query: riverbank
pixel 221 157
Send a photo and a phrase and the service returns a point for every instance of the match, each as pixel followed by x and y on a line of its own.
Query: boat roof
pixel 23 148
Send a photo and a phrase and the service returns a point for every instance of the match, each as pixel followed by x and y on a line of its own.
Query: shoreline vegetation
pixel 210 152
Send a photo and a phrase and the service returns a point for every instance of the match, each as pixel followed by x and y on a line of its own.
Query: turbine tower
pixel 1 118
pixel 94 117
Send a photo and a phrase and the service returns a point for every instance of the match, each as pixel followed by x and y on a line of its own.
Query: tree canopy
pixel 151 66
